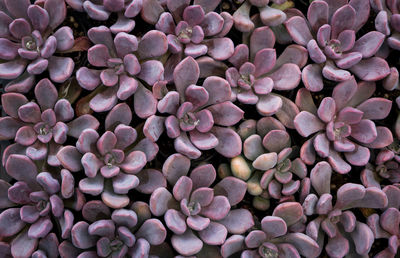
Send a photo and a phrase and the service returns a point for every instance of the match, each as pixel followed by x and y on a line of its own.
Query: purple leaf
pixel 220 48
pixel 218 208
pixel 159 201
pixel 186 244
pixel 152 44
pixel 226 113
pixel 363 238
pixel 369 44
pixel 298 30
pixel 10 222
pixel 150 179
pixel 230 144
pixel 175 221
pixel 232 188
pixel 214 234
pixel 23 245
pixel 233 244
pixel 238 221
pixel 80 236
pixel 60 68
pixel 273 226
pixel 290 212
pixel 375 108
pixel 307 124
pixel 145 104
pixel 372 69
pixel 70 158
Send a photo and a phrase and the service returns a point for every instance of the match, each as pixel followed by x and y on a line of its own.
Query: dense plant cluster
pixel 200 128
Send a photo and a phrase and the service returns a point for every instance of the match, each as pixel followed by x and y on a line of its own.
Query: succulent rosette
pixel 101 10
pixel 204 112
pixel 387 21
pixel 31 206
pixel 122 66
pixel 387 163
pixel 337 221
pixel 386 226
pixel 329 33
pixel 126 232
pixel 197 214
pixel 195 32
pixel 112 164
pixel 257 71
pixel 274 236
pixel 270 15
pixel 269 165
pixel 344 124
pixel 29 44
pixel 40 127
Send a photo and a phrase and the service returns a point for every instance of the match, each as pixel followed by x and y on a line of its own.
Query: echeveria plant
pixel 329 33
pixel 110 164
pixel 101 10
pixel 196 213
pixel 28 42
pixel 119 78
pixel 344 124
pixel 198 115
pixel 269 15
pixel 40 127
pixel 336 220
pixel 199 128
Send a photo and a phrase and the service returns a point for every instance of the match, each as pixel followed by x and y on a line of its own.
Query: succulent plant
pixel 257 71
pixel 270 166
pixel 331 215
pixel 31 205
pixel 388 162
pixel 120 233
pixel 120 59
pixel 387 21
pixel 274 238
pixel 192 31
pixel 28 43
pixel 203 112
pixel 110 164
pixel 386 226
pixel 118 115
pixel 101 10
pixel 329 35
pixel 344 124
pixel 195 207
pixel 40 127
pixel 269 15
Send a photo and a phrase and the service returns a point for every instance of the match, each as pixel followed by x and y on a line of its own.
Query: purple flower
pixel 343 123
pixel 195 207
pixel 120 59
pixel 28 43
pixel 332 43
pixel 40 128
pixel 203 112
